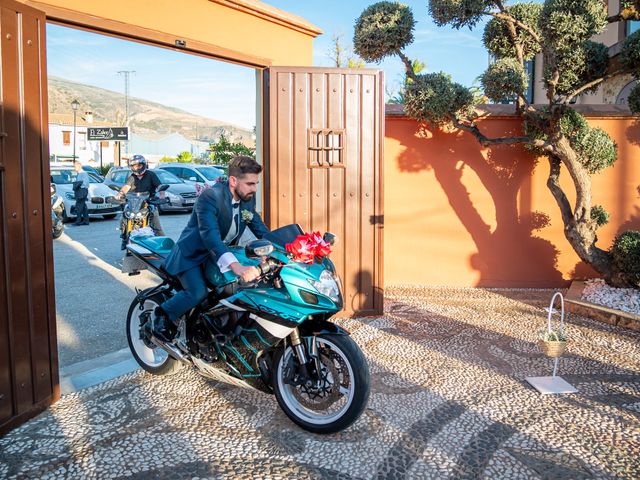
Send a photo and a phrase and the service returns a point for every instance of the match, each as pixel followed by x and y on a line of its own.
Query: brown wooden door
pixel 28 353
pixel 323 168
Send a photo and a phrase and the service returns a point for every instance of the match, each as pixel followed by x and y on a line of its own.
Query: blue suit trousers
pixel 195 291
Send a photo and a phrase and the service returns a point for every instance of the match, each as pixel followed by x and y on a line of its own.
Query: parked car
pixel 86 168
pixel 193 173
pixel 181 195
pixel 63 177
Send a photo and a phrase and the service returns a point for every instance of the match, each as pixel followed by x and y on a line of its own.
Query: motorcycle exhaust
pixel 171 350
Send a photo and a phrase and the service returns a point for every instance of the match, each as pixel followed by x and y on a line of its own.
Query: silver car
pixel 63 177
pixel 194 173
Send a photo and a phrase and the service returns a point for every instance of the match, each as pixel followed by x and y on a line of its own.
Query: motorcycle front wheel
pixel 150 357
pixel 332 403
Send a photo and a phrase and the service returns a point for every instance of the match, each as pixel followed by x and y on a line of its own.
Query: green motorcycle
pixel 272 334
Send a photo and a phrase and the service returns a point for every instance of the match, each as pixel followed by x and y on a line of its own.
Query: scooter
pixel 272 334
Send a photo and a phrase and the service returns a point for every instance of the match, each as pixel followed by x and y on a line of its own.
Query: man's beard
pixel 246 198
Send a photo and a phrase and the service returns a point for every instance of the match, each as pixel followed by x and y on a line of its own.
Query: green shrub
pixel 626 254
pixel 504 78
pixel 634 99
pixel 435 98
pixel 383 29
pixel 600 215
pixel 458 13
pixel 630 55
pixel 596 149
pixel 166 159
pixel 565 24
pixel 104 169
pixel 498 40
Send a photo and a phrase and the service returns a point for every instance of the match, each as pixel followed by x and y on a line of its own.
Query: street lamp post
pixel 74 105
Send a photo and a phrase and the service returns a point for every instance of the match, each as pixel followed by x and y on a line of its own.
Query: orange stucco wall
pixel 457 214
pixel 226 26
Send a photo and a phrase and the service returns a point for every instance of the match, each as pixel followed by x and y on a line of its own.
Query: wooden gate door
pixel 28 353
pixel 323 168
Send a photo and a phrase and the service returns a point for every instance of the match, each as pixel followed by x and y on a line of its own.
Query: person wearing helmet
pixel 143 180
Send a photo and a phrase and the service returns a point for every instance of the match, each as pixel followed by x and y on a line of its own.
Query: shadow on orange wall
pixel 508 253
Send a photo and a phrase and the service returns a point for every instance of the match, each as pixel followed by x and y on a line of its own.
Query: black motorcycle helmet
pixel 138 165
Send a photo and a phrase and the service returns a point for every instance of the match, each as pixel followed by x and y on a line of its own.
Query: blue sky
pixel 227 92
pixel 458 52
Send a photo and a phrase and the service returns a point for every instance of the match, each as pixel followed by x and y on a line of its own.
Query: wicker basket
pixel 552 349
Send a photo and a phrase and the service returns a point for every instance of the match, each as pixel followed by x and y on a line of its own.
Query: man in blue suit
pixel 218 219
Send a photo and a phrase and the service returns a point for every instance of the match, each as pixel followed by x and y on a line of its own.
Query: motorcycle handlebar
pixel 264 268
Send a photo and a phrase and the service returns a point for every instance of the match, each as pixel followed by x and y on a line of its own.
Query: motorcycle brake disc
pixel 321 397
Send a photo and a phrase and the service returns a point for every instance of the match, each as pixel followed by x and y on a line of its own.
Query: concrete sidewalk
pixel 448 400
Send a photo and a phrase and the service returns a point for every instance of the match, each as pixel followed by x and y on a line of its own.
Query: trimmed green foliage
pixel 435 98
pixel 504 78
pixel 584 63
pixel 383 29
pixel 626 254
pixel 458 13
pixel 594 146
pixel 600 215
pixel 630 56
pixel 634 99
pixel 572 122
pixel 568 23
pixel 596 149
pixel 497 39
pixel 631 8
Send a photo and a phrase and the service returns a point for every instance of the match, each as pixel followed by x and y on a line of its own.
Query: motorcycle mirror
pixel 258 248
pixel 163 187
pixel 330 238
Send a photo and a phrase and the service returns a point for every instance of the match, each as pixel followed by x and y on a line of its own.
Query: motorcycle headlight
pixel 142 213
pixel 327 286
pixel 127 214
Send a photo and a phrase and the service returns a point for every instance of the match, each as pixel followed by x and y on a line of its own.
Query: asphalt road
pixel 92 295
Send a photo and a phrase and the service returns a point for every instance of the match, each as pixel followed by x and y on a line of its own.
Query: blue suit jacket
pixel 211 218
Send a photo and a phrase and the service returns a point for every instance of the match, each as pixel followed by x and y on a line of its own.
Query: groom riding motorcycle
pixel 216 222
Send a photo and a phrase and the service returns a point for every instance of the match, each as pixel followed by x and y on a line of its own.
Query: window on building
pixel 66 138
pixel 633 26
pixel 82 140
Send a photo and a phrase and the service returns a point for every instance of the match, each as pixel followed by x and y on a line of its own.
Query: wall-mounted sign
pixel 108 133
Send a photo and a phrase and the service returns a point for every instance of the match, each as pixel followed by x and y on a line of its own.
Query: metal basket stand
pixel 553 384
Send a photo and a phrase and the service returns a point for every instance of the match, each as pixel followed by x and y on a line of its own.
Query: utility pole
pixel 126 74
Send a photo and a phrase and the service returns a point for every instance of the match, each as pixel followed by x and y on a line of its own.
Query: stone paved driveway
pixel 448 401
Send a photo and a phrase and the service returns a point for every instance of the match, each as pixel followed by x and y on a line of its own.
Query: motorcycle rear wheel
pixel 151 358
pixel 347 383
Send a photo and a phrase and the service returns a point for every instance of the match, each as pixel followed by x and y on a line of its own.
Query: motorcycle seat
pixel 161 246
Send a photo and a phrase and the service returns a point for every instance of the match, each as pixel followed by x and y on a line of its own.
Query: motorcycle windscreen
pixel 284 235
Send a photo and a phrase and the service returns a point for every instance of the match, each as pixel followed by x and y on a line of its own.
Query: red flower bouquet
pixel 305 248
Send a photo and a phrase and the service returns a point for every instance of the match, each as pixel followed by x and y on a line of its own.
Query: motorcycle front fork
pixel 308 361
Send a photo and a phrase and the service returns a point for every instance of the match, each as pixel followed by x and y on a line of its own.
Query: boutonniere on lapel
pixel 247 216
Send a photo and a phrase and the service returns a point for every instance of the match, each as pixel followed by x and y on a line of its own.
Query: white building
pixel 156 146
pixel 89 152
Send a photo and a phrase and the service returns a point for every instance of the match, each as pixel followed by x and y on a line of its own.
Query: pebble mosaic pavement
pixel 448 401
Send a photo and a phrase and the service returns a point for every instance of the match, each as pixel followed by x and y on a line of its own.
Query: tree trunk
pixel 579 228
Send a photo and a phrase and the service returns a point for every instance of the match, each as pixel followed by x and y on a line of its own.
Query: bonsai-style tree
pixel 562 31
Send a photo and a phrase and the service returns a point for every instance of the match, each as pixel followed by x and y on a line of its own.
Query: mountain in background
pixel 145 117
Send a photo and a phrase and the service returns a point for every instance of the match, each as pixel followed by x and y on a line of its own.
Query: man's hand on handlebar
pixel 247 274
